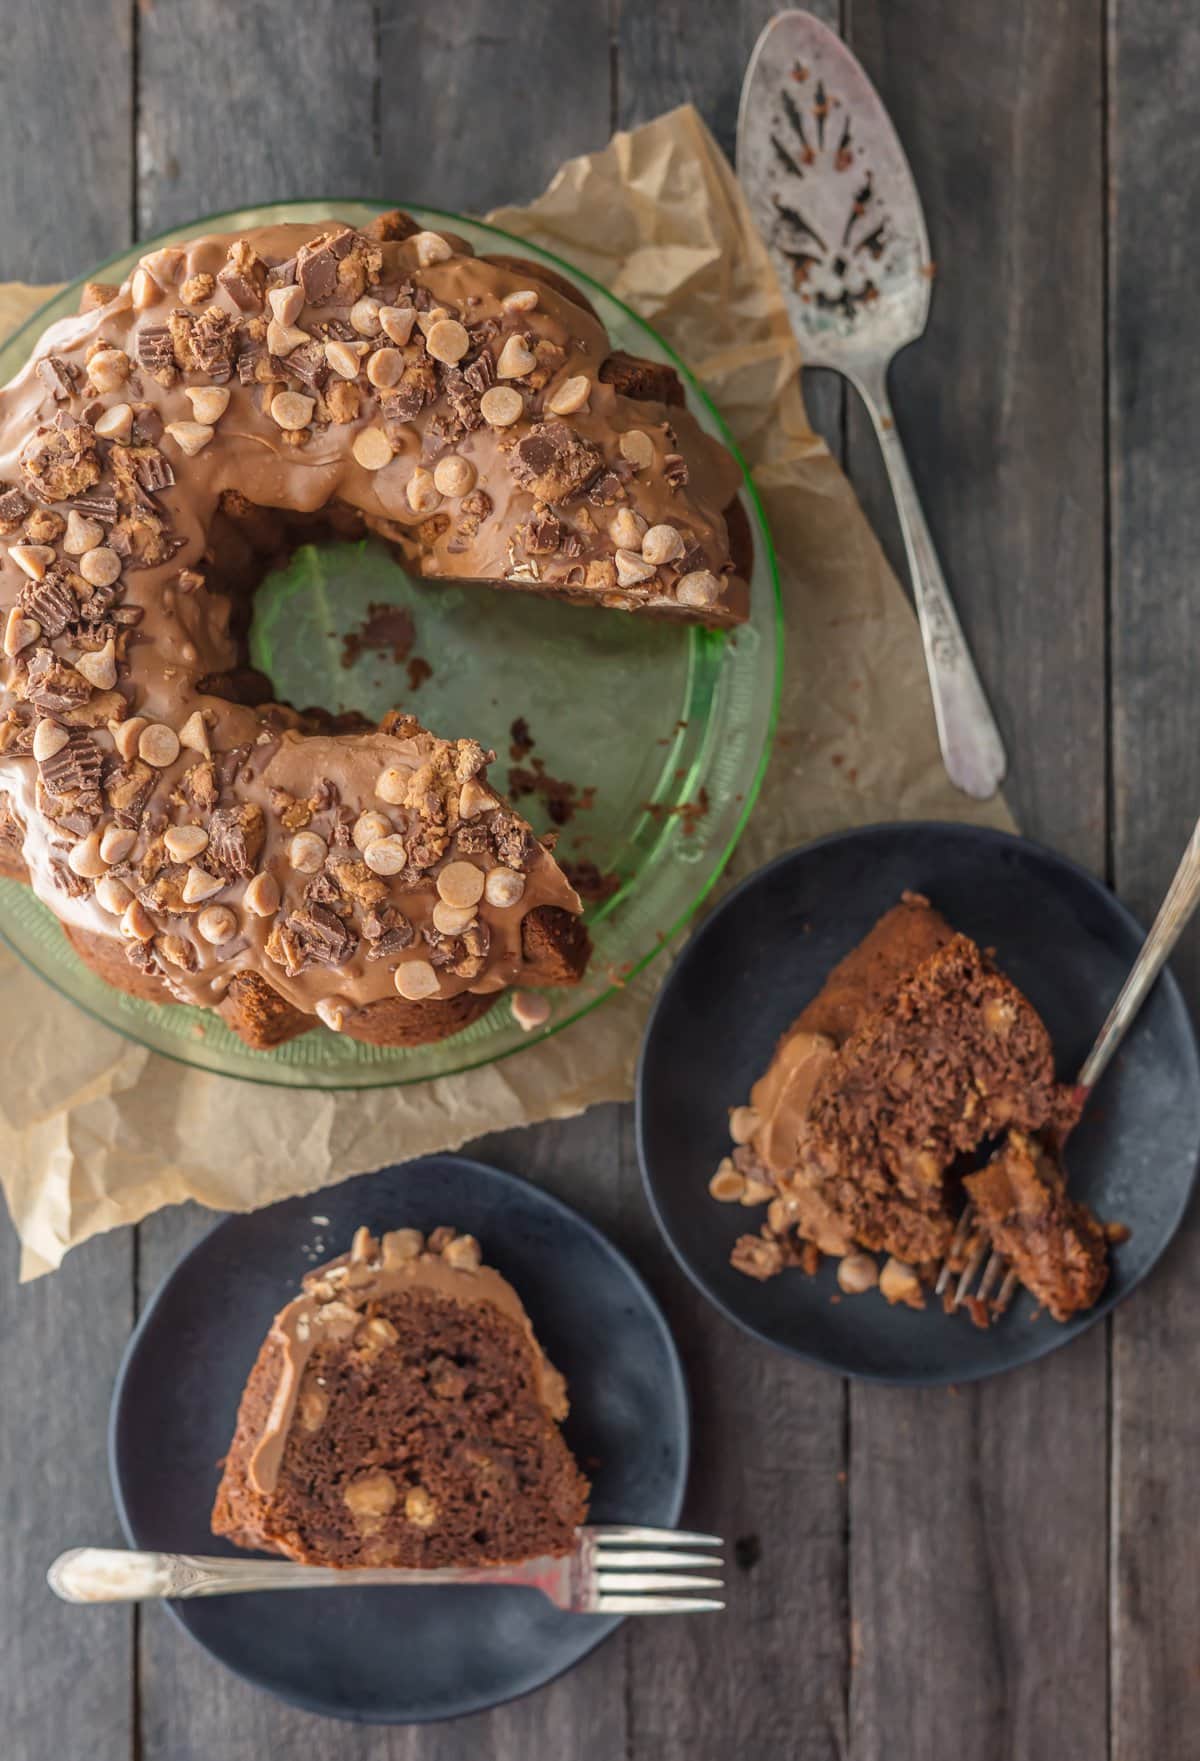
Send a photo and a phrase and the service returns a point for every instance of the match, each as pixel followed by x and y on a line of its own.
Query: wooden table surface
pixel 998 1572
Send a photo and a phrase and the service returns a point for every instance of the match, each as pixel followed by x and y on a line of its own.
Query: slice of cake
pixel 401 1412
pixel 915 1052
pixel 1052 1241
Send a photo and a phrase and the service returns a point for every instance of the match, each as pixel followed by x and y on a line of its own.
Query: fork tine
pixel 991 1272
pixel 1006 1292
pixel 656 1605
pixel 968 1277
pixel 641 1558
pixel 610 1534
pixel 654 1580
pixel 958 1241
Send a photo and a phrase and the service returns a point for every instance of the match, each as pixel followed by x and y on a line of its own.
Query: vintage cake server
pixel 832 193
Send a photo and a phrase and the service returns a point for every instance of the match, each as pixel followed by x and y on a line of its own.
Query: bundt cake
pixel 401 1412
pixel 915 1053
pixel 158 454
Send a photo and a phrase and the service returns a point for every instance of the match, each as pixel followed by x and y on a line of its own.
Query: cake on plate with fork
pixel 401 1412
pixel 916 1054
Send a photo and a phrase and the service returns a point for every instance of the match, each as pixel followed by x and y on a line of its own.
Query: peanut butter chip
pixel 185 841
pixel 632 569
pixel 143 289
pixel 332 1011
pixel 158 745
pixel 209 402
pixel 112 895
pixel 99 667
pixel 447 341
pixel 368 827
pixel 81 534
pixel 199 884
pixel 525 299
pixel 504 887
pixel 430 247
pixel 397 323
pixel 194 733
pixel 743 1123
pixel 638 448
pixel 392 785
pixel 127 734
pixel 85 858
pixel 530 1010
pixel 463 1254
pixel 570 396
pixel 217 924
pixel 192 437
pixel 474 799
pixel 48 738
pixel 286 303
pixel 292 410
pixel 728 1184
pixel 372 449
pixel 454 475
pixel 108 369
pixel 307 852
pixel 662 544
pixel 262 895
pixel 460 883
pixel 451 920
pixel 516 359
pixel 501 406
pixel 364 316
pixel 283 338
pixel 345 358
pixel 100 567
pixel 115 423
pixel 20 631
pixel 116 842
pixel 136 923
pixel 422 491
pixel 32 559
pixel 384 368
pixel 416 979
pixel 700 588
pixel 385 855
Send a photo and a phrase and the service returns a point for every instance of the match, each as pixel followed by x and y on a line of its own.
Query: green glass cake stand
pixel 660 734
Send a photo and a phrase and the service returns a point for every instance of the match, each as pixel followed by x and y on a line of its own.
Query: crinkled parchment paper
pixel 95 1131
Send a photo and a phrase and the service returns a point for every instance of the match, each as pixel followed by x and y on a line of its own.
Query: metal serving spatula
pixel 832 193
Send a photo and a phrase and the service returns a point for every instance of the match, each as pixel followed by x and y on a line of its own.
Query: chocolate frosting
pixel 336 378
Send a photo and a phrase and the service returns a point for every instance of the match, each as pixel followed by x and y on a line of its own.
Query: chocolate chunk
pixel 554 462
pixel 316 271
pixel 542 535
pixel 68 881
pixel 235 838
pixel 50 601
pixel 153 471
pixel 127 788
pixel 388 932
pixel 62 463
pixel 58 376
pixel 417 387
pixel 634 377
pixel 142 955
pixel 249 356
pixel 337 330
pixel 53 686
pixel 480 374
pixel 512 840
pixel 308 364
pixel 13 508
pixel 101 506
pixel 156 352
pixel 606 489
pixel 213 344
pixel 311 936
pixel 244 276
pixel 76 766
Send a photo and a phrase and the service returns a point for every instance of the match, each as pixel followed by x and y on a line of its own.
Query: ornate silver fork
pixel 614 1569
pixel 1183 895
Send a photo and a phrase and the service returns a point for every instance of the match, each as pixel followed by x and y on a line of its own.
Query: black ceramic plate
pixel 767 950
pixel 406 1655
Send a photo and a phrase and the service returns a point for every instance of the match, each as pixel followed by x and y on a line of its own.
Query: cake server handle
pixel 972 749
pixel 102 1574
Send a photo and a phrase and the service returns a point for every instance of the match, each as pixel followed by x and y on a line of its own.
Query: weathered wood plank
pixel 65 1672
pixel 251 104
pixel 480 103
pixel 769 1444
pixel 65 202
pixel 66 129
pixel 978 1519
pixel 1154 110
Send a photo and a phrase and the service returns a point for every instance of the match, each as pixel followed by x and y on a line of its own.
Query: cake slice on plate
pixel 1054 1244
pixel 401 1412
pixel 916 1051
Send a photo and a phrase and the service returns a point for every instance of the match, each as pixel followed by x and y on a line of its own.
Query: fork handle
pixel 102 1574
pixel 1183 895
pixel 972 749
